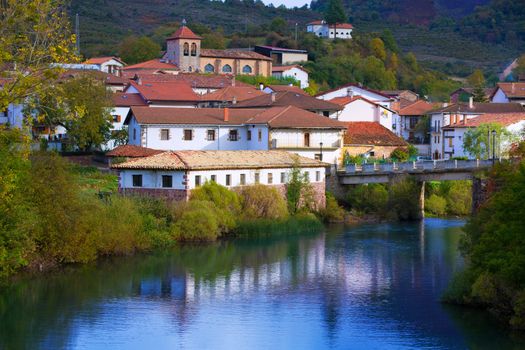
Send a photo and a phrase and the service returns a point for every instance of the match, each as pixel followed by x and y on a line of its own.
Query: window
pixel 210 135
pixel 318 156
pixel 257 178
pixel 117 118
pixel 247 69
pixel 167 181
pixel 270 178
pixel 228 180
pixel 326 113
pixel 186 49
pixel 164 134
pixel 197 180
pixel 283 178
pixel 227 68
pixel 134 134
pixel 243 179
pixel 188 134
pixel 317 176
pixel 137 180
pixel 213 178
pixel 194 49
pixel 306 139
pixel 209 68
pixel 260 135
pixel 249 135
pixel 372 154
pixel 233 135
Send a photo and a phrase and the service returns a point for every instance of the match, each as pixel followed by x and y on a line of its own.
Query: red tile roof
pixel 512 90
pixel 208 160
pixel 288 98
pixel 292 88
pixel 479 107
pixel 371 133
pixel 184 33
pixel 285 68
pixel 121 99
pixel 503 119
pixel 417 108
pixel 229 93
pixel 339 25
pixel 345 100
pixel 166 91
pixel 276 117
pixel 231 53
pixel 100 60
pixel 131 151
pixel 195 80
pixel 152 64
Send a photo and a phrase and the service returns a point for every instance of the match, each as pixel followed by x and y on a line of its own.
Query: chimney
pixel 471 102
pixel 234 100
pixel 445 104
pixel 464 119
pixel 226 114
pixel 273 96
pixel 261 86
pixel 513 88
pixel 139 80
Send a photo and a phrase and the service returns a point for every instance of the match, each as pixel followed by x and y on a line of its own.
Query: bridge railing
pixel 421 165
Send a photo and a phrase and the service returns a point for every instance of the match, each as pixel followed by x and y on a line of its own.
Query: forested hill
pixel 452 36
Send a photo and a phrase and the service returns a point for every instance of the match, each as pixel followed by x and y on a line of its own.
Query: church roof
pixel 184 33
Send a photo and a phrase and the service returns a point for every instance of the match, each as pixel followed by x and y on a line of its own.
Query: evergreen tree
pixel 335 13
pixel 477 81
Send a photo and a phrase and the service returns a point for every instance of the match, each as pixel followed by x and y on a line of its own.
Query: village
pixel 191 104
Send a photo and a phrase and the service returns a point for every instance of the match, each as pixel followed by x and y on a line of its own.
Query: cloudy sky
pixel 288 3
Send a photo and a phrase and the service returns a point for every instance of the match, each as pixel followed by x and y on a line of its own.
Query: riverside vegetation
pixel 50 213
pixel 494 248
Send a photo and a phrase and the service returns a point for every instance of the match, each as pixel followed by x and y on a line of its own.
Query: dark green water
pixel 367 287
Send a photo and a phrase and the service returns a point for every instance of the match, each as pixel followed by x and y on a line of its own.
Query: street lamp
pixel 321 151
pixel 493 146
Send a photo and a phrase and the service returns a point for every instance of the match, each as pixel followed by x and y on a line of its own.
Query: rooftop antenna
pixel 77 33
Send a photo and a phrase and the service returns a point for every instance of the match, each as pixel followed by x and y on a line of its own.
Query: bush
pixel 333 212
pixel 403 200
pixel 399 155
pixel 262 202
pixel 196 221
pixel 436 205
pixel 371 198
pixel 459 198
pixel 299 224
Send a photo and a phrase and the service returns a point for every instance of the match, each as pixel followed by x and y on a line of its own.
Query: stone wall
pixel 168 194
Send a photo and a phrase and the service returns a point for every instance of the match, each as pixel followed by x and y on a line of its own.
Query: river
pixel 364 287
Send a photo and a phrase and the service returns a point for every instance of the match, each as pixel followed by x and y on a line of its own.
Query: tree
pixel 34 34
pixel 213 40
pixel 378 48
pixel 520 69
pixel 134 50
pixel 478 142
pixel 477 81
pixel 335 13
pixel 279 25
pixel 80 105
pixel 298 191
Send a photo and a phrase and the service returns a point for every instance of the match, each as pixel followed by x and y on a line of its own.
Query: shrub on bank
pixel 371 198
pixel 262 202
pixel 197 221
pixel 436 205
pixel 332 212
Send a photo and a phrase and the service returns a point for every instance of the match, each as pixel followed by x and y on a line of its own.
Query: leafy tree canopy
pixel 335 12
pixel 138 49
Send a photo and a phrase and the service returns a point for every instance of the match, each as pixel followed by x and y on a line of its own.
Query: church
pixel 183 48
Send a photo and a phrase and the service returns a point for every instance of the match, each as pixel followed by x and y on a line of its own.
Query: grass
pixel 294 225
pixel 93 181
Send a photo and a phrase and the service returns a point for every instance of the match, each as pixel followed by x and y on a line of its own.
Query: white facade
pixel 152 179
pixel 351 90
pixel 305 142
pixel 299 74
pixel 363 111
pixel 500 97
pixel 111 66
pixel 323 30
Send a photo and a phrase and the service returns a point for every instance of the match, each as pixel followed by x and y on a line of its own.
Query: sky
pixel 287 3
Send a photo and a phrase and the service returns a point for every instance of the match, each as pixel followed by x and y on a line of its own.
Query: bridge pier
pixel 421 200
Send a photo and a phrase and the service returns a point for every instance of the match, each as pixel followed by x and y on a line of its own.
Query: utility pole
pixel 77 33
pixel 296 33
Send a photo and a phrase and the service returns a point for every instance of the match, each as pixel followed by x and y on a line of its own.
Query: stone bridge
pixel 421 171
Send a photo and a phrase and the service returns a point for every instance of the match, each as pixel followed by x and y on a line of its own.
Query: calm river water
pixel 365 287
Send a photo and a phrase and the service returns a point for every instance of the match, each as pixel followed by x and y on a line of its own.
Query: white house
pixel 360 109
pixel 278 128
pixel 295 71
pixel 351 90
pixel 281 55
pixel 408 125
pixel 509 93
pixel 174 175
pixel 459 113
pixel 454 134
pixel 112 65
pixel 323 30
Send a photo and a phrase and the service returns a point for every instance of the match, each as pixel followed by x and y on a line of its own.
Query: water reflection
pixel 373 286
